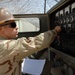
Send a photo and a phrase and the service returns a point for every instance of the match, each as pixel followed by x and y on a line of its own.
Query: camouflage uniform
pixel 13 51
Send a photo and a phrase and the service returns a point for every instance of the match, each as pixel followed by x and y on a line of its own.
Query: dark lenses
pixel 12 25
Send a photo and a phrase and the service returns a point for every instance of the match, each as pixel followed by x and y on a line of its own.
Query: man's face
pixel 10 31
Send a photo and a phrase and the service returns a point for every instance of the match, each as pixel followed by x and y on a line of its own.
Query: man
pixel 12 51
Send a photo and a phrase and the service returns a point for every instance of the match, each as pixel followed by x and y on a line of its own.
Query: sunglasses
pixel 11 25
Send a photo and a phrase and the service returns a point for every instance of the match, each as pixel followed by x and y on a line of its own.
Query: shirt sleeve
pixel 23 47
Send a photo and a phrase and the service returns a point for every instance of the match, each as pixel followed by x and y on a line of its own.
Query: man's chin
pixel 16 36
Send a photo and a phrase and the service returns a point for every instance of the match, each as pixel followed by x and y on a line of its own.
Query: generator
pixel 62 50
pixel 63 14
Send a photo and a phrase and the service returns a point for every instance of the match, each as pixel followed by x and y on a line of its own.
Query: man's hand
pixel 57 29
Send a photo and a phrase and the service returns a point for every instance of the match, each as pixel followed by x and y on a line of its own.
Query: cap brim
pixel 7 21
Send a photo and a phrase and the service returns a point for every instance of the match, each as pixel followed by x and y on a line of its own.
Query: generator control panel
pixel 64 16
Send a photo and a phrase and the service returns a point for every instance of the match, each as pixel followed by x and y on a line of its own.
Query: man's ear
pixel 1 28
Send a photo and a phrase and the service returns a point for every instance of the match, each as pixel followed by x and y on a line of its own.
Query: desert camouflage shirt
pixel 12 51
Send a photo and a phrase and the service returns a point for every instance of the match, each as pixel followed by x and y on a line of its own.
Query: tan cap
pixel 5 16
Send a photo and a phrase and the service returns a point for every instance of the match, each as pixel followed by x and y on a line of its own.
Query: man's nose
pixel 16 28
